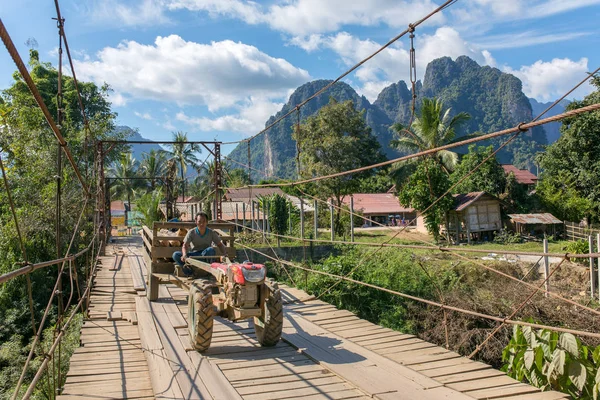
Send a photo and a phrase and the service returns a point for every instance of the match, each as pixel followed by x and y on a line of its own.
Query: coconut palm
pixel 432 128
pixel 184 154
pixel 153 166
pixel 122 171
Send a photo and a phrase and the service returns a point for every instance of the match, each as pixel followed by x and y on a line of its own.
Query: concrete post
pixel 332 230
pixel 591 247
pixel 546 268
pixel 351 219
pixel 252 226
pixel 598 247
pixel 244 216
pixel 290 219
pixel 302 219
pixel 316 217
pixel 237 217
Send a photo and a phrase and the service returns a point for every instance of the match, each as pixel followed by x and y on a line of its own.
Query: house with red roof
pixel 523 176
pixel 383 208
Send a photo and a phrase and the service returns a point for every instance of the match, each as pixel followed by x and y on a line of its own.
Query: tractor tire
pixel 269 325
pixel 201 313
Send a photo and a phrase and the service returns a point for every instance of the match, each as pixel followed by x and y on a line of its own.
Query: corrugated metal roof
pixel 522 176
pixel 244 194
pixel 544 219
pixel 465 200
pixel 377 203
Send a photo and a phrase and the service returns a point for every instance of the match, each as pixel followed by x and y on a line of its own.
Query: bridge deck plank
pixel 326 353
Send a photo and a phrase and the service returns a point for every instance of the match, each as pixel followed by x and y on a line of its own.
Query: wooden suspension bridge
pixel 134 348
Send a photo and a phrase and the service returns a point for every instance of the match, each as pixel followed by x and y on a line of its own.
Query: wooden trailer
pixel 158 250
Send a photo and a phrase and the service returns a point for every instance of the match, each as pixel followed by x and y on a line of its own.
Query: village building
pixel 475 216
pixel 383 208
pixel 522 176
pixel 535 224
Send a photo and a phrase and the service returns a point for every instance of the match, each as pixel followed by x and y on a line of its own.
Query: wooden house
pixel 476 216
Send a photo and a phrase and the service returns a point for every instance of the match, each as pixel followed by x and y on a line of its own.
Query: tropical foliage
pixel 553 361
pixel 337 139
pixel 571 166
pixel 434 127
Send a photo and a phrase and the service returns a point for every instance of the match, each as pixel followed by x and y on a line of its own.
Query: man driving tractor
pixel 201 239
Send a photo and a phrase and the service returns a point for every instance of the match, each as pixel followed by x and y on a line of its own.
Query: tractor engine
pixel 242 287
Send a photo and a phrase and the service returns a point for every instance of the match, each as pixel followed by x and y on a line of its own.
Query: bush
pixel 551 361
pixel 507 237
pixel 578 247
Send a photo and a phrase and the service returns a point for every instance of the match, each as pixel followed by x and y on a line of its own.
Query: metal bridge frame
pixel 103 195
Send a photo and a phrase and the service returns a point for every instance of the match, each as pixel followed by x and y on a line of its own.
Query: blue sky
pixel 218 69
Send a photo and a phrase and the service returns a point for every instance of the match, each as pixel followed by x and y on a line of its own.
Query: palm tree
pixel 122 170
pixel 153 166
pixel 432 128
pixel 184 154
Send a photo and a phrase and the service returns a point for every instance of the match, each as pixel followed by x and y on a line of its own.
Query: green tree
pixel 559 196
pixel 122 186
pixel 236 178
pixel 279 215
pixel 571 165
pixel 516 195
pixel 434 127
pixel 153 166
pixel 29 153
pixel 185 154
pixel 337 139
pixel 148 206
pixel 488 178
pixel 424 186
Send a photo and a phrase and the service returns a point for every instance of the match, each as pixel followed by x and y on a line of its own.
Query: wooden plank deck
pixel 110 362
pixel 325 353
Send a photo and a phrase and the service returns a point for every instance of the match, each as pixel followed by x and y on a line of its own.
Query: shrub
pixel 548 360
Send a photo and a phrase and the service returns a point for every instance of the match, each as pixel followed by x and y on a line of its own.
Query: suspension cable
pixel 432 303
pixel 456 252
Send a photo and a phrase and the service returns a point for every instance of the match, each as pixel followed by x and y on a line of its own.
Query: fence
pixel 574 232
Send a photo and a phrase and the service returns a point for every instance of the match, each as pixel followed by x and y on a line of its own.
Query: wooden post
pixel 351 219
pixel 598 247
pixel 244 216
pixel 316 215
pixel 302 219
pixel 591 247
pixel 468 223
pixel 331 212
pixel 546 268
pixel 457 228
pixel 448 235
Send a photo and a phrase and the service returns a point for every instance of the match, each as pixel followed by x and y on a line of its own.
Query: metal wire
pixel 433 303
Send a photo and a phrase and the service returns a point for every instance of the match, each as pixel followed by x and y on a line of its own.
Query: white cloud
pixel 309 43
pixel 217 75
pixel 250 118
pixel 142 13
pixel 117 99
pixel 303 17
pixel 299 17
pixel 547 81
pixel 392 64
pixel 247 11
pixel 525 39
pixel 486 13
pixel 146 115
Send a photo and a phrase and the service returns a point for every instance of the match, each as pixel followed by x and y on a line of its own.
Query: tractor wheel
pixel 200 314
pixel 268 326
